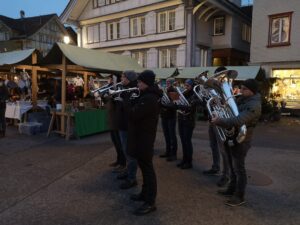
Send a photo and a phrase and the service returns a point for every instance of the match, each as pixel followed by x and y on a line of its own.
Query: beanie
pixel 148 77
pixel 130 75
pixel 251 84
pixel 171 80
pixel 220 69
pixel 190 82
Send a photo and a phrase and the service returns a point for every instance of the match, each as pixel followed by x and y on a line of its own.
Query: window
pixel 167 58
pixel 141 57
pixel 99 3
pixel 246 33
pixel 137 26
pixel 113 30
pixel 280 29
pixel 4 36
pixel 219 26
pixel 203 57
pixel 166 21
pixel 93 34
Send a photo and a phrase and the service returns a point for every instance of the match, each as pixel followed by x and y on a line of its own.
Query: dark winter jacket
pixel 143 117
pixel 249 114
pixel 4 95
pixel 168 112
pixel 122 108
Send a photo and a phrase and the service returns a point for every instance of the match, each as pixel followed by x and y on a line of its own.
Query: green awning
pixel 15 57
pixel 165 73
pixel 244 72
pixel 96 60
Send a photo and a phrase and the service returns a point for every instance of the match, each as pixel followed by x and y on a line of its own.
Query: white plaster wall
pixel 260 53
pixel 223 41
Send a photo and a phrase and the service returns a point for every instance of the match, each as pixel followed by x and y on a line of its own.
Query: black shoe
pixel 211 172
pixel 171 158
pixel 137 198
pixel 235 201
pixel 165 155
pixel 186 166
pixel 180 164
pixel 223 181
pixel 145 209
pixel 114 164
pixel 122 176
pixel 119 169
pixel 128 184
pixel 226 192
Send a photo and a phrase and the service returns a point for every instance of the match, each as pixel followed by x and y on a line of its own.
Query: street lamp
pixel 66 40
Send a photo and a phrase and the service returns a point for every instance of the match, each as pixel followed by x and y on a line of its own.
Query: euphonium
pixel 225 106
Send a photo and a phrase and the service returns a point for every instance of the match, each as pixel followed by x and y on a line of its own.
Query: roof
pixel 244 72
pixel 95 60
pixel 16 57
pixel 26 26
pixel 164 73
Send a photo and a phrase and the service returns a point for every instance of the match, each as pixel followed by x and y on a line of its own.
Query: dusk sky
pixel 11 8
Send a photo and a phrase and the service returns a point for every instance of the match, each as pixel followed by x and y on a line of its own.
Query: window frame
pixel 279 16
pixel 246 32
pixel 139 24
pixel 168 57
pixel 214 26
pixel 142 57
pixel 116 34
pixel 166 22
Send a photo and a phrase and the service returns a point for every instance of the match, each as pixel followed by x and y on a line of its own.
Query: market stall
pixel 71 59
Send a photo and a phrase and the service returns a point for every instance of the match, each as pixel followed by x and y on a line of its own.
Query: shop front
pixel 286 89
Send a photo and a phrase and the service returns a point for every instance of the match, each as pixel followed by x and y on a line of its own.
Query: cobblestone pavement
pixel 48 181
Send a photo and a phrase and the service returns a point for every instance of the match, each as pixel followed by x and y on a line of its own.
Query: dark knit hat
pixel 148 77
pixel 220 69
pixel 189 82
pixel 130 75
pixel 251 84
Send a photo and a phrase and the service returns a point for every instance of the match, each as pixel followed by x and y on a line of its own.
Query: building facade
pixel 160 33
pixel 39 32
pixel 275 46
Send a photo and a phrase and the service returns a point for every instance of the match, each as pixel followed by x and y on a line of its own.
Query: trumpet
pixel 118 92
pixel 105 88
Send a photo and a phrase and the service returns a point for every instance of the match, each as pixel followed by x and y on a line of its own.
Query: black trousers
pixel 186 129
pixel 238 178
pixel 169 129
pixel 149 188
pixel 2 122
pixel 115 137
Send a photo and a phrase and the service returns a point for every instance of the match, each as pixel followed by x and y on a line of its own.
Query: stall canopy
pixel 164 73
pixel 95 60
pixel 244 72
pixel 16 57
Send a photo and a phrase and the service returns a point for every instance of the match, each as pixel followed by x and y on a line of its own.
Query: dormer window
pixel 99 3
pixel 219 26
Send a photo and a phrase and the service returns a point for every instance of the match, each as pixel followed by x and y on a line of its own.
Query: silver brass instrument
pixel 118 92
pixel 105 88
pixel 225 106
pixel 182 101
pixel 165 100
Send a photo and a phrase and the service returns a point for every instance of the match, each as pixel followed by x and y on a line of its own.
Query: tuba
pixel 165 100
pixel 223 104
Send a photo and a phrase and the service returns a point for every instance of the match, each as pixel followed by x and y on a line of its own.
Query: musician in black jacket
pixel 186 125
pixel 249 105
pixel 143 119
pixel 168 122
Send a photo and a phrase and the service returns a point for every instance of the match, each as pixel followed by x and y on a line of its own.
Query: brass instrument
pixel 105 88
pixel 223 105
pixel 165 100
pixel 118 92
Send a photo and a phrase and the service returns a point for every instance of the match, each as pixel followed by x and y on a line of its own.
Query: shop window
pixel 219 25
pixel 280 29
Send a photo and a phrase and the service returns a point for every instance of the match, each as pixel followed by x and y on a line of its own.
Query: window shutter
pixel 124 26
pixel 150 23
pixel 179 17
pixel 96 33
pixel 103 36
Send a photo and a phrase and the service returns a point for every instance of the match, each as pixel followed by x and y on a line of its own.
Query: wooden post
pixel 34 88
pixel 85 78
pixel 63 92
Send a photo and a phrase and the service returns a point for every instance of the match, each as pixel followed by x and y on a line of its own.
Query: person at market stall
pixel 4 95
